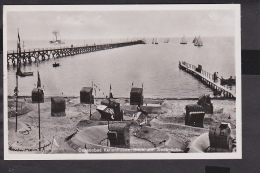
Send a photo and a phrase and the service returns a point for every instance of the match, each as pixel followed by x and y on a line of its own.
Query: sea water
pixel 155 67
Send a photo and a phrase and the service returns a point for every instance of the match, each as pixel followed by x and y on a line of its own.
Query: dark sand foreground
pixel 166 119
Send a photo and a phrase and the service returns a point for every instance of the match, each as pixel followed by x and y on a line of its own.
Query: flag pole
pixel 16 88
pixel 90 104
pixel 90 111
pixel 39 111
pixel 16 100
pixel 39 121
pixel 109 106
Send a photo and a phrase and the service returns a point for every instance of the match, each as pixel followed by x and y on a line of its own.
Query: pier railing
pixel 203 72
pixel 42 54
pixel 207 79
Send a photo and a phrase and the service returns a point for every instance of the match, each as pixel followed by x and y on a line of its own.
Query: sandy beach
pixel 166 119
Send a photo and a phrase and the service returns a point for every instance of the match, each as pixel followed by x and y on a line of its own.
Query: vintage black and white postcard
pixel 122 82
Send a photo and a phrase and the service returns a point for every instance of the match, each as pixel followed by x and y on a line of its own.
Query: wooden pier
pixel 44 54
pixel 207 79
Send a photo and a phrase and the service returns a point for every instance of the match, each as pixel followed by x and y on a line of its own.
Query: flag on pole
pixel 142 85
pixel 18 54
pixel 19 44
pixel 133 83
pixel 18 41
pixel 110 94
pixel 39 81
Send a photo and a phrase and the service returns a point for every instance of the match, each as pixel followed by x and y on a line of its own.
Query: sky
pixel 35 25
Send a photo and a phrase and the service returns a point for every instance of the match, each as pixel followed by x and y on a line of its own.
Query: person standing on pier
pixel 215 77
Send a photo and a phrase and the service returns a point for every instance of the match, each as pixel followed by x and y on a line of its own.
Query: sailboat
pixel 56 41
pixel 156 42
pixel 198 42
pixel 183 40
pixel 153 41
pixel 166 40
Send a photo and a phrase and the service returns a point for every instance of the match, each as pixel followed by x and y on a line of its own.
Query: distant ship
pixel 56 41
pixel 198 42
pixel 183 40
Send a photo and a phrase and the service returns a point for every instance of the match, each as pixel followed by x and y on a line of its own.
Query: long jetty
pixel 44 54
pixel 207 79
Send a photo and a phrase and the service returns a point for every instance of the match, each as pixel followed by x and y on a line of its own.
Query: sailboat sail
pixel 194 40
pixel 198 42
pixel 183 40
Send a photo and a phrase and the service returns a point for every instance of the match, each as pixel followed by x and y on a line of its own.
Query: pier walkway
pixel 207 79
pixel 43 54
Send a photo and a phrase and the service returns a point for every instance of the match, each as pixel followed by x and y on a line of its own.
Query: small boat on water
pixel 183 40
pixel 56 64
pixel 56 41
pixel 198 42
pixel 230 81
